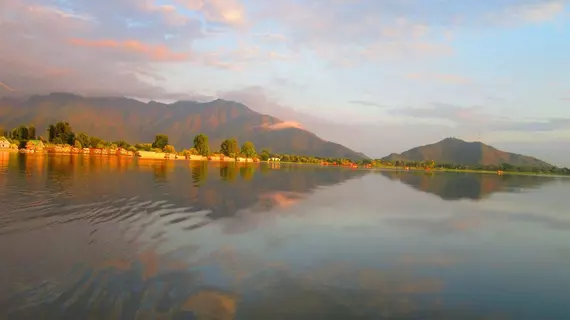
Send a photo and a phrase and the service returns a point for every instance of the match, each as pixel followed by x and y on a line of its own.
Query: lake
pixel 117 238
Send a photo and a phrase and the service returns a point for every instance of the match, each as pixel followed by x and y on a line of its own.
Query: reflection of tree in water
pixel 185 187
pixel 224 195
pixel 199 171
pixel 228 172
pixel 246 172
pixel 474 186
pixel 252 188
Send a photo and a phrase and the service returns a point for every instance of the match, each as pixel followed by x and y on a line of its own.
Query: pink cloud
pixel 542 11
pixel 283 125
pixel 154 52
pixel 231 12
pixel 170 13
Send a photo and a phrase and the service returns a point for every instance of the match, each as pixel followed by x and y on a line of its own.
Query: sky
pixel 378 76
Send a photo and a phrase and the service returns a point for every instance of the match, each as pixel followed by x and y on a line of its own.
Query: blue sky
pixel 379 76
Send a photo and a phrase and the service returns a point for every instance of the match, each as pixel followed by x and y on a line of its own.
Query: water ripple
pixel 130 212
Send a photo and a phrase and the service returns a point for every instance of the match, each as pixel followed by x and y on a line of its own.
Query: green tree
pixel 229 147
pixel 61 133
pixel 32 132
pixel 143 146
pixel 14 134
pixel 64 132
pixel 169 149
pixel 83 139
pixel 51 132
pixel 78 144
pixel 160 141
pixel 122 144
pixel 94 141
pixel 248 149
pixel 23 133
pixel 201 144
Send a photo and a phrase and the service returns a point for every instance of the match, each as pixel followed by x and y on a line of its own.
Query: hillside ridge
pixel 456 151
pixel 124 118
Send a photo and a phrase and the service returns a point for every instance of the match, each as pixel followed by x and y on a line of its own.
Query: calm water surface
pixel 109 238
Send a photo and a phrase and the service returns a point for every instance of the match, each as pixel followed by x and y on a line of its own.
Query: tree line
pixel 506 167
pixel 62 133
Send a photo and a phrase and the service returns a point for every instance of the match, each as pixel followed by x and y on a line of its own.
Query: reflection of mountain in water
pixel 474 186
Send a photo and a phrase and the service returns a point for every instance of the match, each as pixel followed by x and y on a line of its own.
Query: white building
pixel 4 143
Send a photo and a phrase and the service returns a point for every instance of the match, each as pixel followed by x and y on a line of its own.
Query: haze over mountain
pixel 116 118
pixel 457 151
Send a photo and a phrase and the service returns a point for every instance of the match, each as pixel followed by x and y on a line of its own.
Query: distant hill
pixel 456 151
pixel 116 118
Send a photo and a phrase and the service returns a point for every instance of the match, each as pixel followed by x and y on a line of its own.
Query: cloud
pixel 153 52
pixel 91 48
pixel 288 83
pixel 533 12
pixel 366 103
pixel 445 111
pixel 553 124
pixel 283 125
pixel 170 13
pixel 444 78
pixel 476 116
pixel 406 50
pixel 240 58
pixel 230 12
pixel 271 36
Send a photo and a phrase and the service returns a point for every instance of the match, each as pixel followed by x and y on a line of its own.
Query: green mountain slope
pixel 114 118
pixel 456 151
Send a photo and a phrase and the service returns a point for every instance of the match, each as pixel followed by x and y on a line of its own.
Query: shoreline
pixel 161 157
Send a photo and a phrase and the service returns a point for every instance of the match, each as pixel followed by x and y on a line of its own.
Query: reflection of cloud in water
pixel 438 225
pixel 227 284
pixel 280 199
pixel 211 305
pixel 438 260
pixel 469 220
pixel 263 213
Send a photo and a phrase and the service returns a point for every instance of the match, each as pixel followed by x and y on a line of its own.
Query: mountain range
pixel 120 118
pixel 457 151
